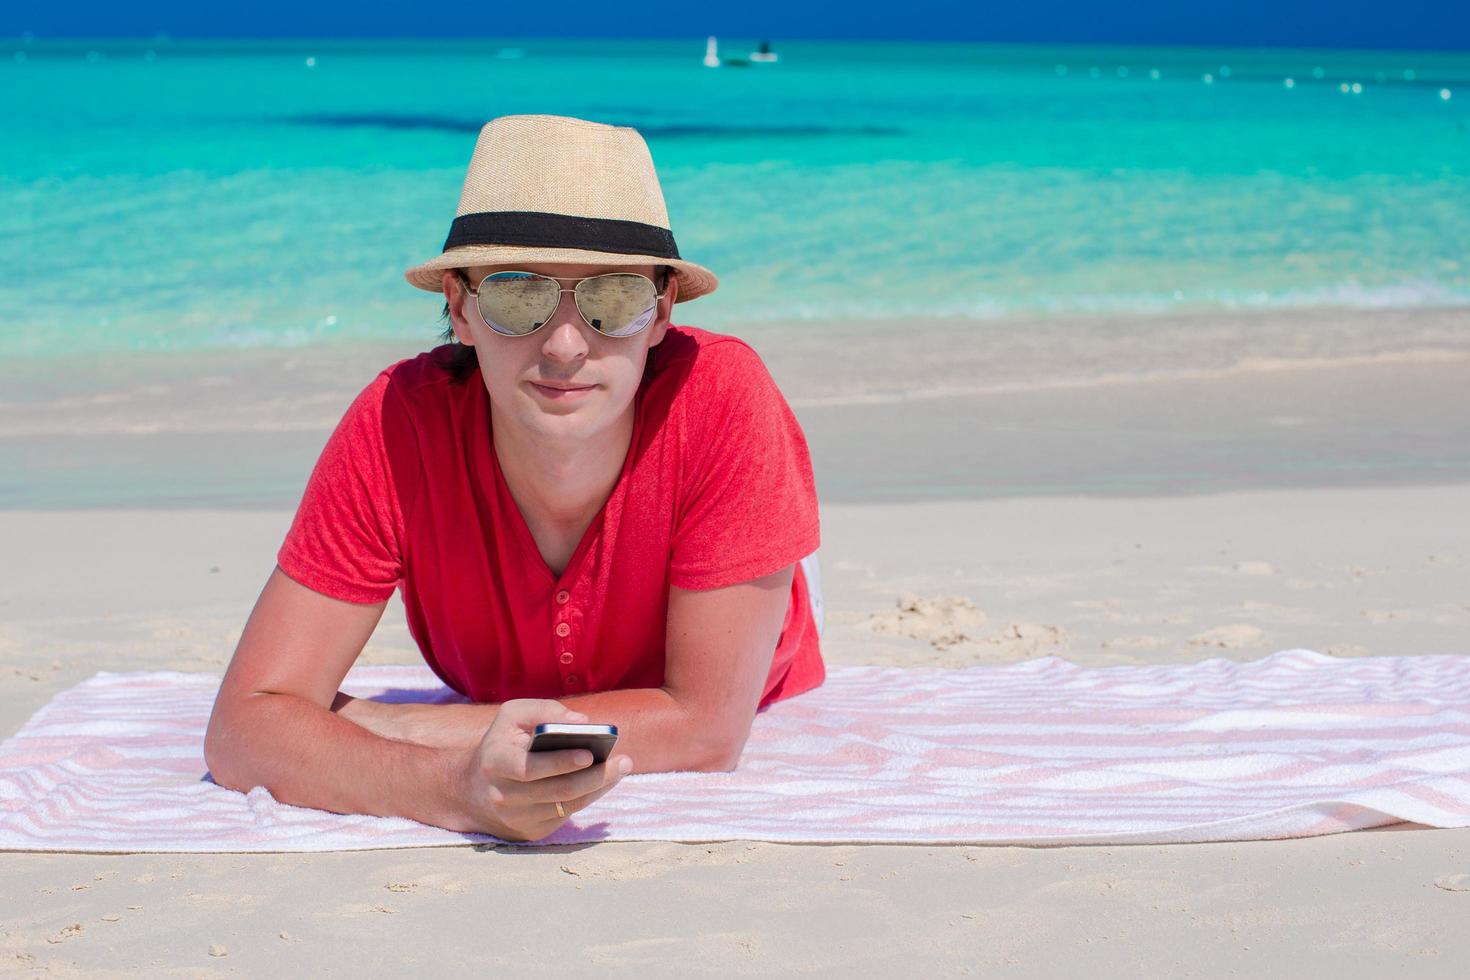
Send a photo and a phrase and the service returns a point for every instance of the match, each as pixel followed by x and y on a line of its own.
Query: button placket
pixel 563 629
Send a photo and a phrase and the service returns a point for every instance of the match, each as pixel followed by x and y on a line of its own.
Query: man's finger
pixel 586 799
pixel 564 787
pixel 544 765
pixel 527 713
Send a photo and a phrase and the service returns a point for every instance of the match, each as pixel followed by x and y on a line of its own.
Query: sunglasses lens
pixel 619 304
pixel 516 303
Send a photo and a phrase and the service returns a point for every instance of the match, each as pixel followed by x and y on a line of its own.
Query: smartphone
pixel 597 739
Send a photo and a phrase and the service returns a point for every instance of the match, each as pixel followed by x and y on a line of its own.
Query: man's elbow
pixel 718 755
pixel 216 760
pixel 221 754
pixel 218 765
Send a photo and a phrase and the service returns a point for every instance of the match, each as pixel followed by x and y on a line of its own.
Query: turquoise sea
pixel 176 196
pixel 202 247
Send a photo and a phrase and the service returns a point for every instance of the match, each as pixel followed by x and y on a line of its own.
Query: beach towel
pixel 1042 752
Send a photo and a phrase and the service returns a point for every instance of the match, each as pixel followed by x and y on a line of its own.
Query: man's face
pixel 566 380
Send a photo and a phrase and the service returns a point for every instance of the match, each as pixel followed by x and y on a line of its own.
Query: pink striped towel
pixel 1041 753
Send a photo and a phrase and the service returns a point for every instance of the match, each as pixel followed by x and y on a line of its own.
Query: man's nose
pixel 565 340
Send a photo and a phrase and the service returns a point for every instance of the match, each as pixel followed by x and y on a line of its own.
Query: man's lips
pixel 561 386
pixel 561 391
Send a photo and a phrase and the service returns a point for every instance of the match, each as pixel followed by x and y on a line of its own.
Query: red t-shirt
pixel 716 489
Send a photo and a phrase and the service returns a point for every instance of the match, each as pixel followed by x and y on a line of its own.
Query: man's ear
pixel 454 297
pixel 665 308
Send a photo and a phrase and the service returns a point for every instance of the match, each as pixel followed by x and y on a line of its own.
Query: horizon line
pixel 28 37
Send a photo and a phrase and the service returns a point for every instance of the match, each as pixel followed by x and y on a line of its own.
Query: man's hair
pixel 465 362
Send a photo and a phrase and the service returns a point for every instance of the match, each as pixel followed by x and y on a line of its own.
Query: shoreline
pixel 816 362
pixel 248 438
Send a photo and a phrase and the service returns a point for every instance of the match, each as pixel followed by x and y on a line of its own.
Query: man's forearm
pixel 443 726
pixel 308 756
pixel 658 731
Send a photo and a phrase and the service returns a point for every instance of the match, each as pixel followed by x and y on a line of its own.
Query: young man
pixel 591 514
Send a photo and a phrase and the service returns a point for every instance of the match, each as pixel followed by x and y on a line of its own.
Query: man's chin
pixel 580 419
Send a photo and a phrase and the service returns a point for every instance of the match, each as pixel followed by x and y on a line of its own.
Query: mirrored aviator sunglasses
pixel 615 304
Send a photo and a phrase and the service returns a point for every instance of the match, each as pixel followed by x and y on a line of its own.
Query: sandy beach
pixel 1231 556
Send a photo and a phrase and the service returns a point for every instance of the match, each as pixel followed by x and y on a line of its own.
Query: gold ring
pixel 560 812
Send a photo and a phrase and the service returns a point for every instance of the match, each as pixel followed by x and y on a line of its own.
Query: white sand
pixel 1383 571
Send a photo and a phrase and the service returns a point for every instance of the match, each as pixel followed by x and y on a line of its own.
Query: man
pixel 591 514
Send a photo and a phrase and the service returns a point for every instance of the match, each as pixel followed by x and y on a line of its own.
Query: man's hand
pixel 512 792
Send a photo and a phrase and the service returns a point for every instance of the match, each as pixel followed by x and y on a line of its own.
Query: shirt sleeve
pixel 748 500
pixel 346 538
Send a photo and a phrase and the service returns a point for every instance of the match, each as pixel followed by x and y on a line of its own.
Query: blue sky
pixel 1430 24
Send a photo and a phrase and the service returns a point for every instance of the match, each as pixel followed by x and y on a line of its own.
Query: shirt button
pixel 563 629
pixel 566 657
pixel 572 680
pixel 563 596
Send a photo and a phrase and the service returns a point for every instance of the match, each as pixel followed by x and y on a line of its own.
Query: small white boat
pixel 765 54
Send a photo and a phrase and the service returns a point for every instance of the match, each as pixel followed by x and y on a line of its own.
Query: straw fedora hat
pixel 557 189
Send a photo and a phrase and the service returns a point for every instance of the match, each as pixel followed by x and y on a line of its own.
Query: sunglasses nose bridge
pixel 576 309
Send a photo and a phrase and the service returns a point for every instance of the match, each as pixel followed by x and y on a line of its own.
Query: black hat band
pixel 548 230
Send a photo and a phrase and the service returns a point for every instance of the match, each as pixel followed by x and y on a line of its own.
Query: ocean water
pixel 177 197
pixel 950 255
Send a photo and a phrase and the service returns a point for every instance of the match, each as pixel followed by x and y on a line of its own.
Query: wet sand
pixel 891 414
